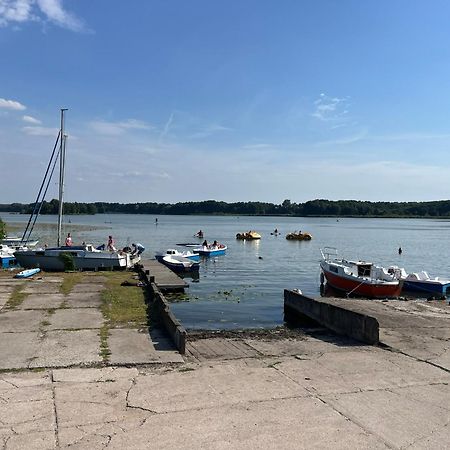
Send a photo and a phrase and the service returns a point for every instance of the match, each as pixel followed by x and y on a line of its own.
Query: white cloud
pixel 208 131
pixel 40 131
pixel 38 10
pixel 32 120
pixel 15 11
pixel 11 104
pixel 117 128
pixel 331 109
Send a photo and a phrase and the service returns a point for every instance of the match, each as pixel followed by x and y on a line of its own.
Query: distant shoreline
pixel 314 208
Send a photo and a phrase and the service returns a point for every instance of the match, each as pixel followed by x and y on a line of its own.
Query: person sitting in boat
pixel 100 247
pixel 68 242
pixel 137 249
pixel 215 244
pixel 110 246
pixel 205 245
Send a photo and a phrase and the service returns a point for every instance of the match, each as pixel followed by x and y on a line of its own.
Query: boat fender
pixel 322 278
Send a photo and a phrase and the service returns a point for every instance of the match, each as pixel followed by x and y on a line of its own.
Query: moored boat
pixel 359 278
pixel 180 264
pixel 186 254
pixel 211 250
pixel 421 282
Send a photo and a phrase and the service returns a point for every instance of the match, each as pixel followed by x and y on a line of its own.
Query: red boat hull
pixel 362 288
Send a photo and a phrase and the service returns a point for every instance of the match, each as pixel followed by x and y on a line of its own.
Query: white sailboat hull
pixel 51 259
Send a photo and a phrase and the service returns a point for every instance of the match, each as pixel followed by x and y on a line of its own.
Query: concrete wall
pixel 162 306
pixel 358 326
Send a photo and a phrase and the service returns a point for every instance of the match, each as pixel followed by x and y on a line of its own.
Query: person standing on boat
pixel 68 242
pixel 137 249
pixel 110 246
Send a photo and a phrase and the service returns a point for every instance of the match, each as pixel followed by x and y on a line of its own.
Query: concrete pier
pixel 164 278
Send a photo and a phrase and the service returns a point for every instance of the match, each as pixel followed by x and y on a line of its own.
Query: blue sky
pixel 250 100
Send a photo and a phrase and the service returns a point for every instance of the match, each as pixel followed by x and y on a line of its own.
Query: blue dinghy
pixel 27 273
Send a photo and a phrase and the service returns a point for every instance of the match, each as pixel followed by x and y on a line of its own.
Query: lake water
pixel 245 287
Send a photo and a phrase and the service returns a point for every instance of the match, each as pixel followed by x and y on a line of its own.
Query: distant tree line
pixel 314 208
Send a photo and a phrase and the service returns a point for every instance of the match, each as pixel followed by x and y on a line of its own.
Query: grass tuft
pixel 17 297
pixel 123 306
pixel 69 281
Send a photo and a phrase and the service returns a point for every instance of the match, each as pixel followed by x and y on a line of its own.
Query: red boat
pixel 359 278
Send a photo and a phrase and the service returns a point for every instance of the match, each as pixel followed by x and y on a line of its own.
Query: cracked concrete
pixel 49 329
pixel 318 391
pixel 345 397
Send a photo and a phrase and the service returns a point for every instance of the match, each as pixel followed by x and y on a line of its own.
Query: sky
pixel 238 100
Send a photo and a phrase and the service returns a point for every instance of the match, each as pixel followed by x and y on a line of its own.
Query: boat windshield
pixel 364 270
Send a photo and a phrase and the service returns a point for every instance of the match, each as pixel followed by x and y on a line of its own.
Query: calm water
pixel 244 288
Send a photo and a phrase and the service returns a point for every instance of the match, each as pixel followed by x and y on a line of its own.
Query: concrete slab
pixel 20 321
pixel 129 346
pixel 75 318
pixel 307 346
pixel 41 287
pixel 207 387
pixel 18 349
pixel 27 411
pixel 355 370
pixel 39 440
pixel 24 379
pixel 93 278
pixel 396 416
pixel 93 403
pixel 4 297
pixel 42 301
pixel 68 348
pixel 6 289
pixel 93 375
pixel 88 287
pixel 84 300
pixel 295 423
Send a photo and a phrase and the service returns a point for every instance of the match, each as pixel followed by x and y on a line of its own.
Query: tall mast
pixel 62 160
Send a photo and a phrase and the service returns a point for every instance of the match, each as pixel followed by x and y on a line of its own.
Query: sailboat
pixel 62 257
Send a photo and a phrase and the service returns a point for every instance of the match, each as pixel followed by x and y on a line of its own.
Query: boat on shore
pixel 27 273
pixel 358 278
pixel 11 241
pixel 68 257
pixel 180 264
pixel 7 258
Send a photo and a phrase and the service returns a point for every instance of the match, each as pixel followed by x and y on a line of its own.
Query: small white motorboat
pixel 171 251
pixel 180 264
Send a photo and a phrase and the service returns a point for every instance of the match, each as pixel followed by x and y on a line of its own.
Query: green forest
pixel 312 208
